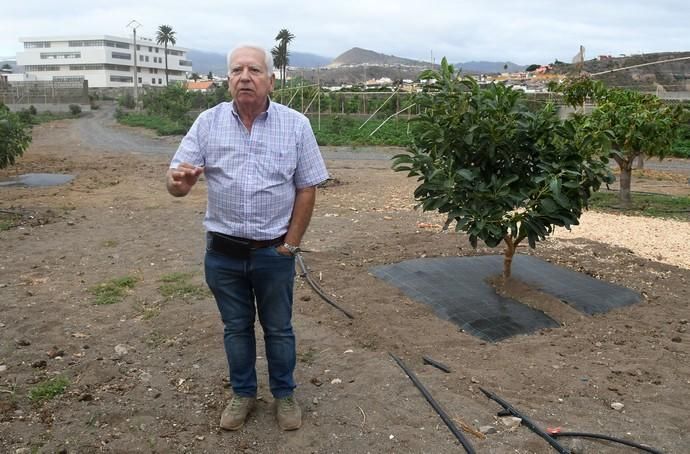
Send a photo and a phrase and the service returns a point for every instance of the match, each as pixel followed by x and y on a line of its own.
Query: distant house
pixel 202 85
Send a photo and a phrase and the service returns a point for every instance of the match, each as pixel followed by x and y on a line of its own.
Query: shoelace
pixel 287 403
pixel 236 403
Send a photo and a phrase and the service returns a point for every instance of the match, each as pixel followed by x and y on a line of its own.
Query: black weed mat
pixel 455 288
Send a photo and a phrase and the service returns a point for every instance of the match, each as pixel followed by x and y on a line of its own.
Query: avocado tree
pixel 637 123
pixel 501 172
pixel 14 138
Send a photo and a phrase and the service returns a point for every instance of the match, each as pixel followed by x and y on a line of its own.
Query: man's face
pixel 249 81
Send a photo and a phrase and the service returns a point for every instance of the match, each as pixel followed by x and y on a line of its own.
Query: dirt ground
pixel 148 374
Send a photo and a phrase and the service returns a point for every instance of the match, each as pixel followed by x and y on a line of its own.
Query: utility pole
pixel 134 25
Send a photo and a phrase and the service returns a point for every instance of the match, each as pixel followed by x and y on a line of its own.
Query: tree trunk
pixel 508 256
pixel 166 64
pixel 625 179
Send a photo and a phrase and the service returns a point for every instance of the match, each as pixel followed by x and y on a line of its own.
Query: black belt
pixel 237 247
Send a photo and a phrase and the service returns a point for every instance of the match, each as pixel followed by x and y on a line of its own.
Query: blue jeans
pixel 268 277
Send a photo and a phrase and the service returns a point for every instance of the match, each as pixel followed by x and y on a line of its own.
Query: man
pixel 262 165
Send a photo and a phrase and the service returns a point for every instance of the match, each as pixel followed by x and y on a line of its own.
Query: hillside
pixel 672 76
pixel 359 56
pixel 203 62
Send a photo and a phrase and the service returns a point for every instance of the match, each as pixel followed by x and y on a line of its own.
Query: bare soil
pixel 164 386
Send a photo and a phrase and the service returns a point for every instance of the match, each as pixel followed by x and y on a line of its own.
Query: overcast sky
pixel 524 32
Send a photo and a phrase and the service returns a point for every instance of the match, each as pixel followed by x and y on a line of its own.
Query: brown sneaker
pixel 236 412
pixel 288 413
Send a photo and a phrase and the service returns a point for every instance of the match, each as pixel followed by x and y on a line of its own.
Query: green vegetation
pixel 165 35
pixel 8 220
pixel 644 204
pixel 48 389
pixel 113 291
pixel 344 130
pixel 637 124
pixel 177 285
pixel 500 171
pixel 14 137
pixel 162 125
pixel 681 147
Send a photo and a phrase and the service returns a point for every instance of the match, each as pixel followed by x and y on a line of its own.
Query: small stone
pixel 511 422
pixel 3 368
pixel 617 406
pixel 336 381
pixel 23 451
pixel 22 342
pixel 55 352
pixel 315 401
pixel 487 430
pixel 577 446
pixel 121 349
pixel 40 364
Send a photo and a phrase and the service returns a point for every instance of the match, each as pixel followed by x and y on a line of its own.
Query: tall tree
pixel 638 124
pixel 281 55
pixel 165 35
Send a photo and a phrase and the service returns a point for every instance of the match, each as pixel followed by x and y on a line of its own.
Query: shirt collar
pixel 262 115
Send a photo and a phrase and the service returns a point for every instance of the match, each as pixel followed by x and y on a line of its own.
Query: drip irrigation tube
pixel 317 289
pixel 526 421
pixel 444 416
pixel 607 438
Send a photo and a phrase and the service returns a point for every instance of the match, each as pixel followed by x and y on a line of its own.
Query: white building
pixel 103 60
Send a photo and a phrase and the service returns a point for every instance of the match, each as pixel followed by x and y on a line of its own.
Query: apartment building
pixel 102 60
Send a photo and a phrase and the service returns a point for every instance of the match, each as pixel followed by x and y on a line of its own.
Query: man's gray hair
pixel 268 58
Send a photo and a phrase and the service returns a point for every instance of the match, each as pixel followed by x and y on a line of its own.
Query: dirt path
pixel 147 374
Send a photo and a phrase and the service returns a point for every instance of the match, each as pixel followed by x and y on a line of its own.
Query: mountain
pixel 649 76
pixel 358 56
pixel 203 62
pixel 487 67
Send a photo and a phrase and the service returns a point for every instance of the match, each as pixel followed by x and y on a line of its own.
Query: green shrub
pixel 32 110
pixel 14 137
pixel 74 109
pixel 126 101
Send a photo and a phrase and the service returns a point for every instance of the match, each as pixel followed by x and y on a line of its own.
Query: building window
pixel 122 55
pixel 55 55
pixel 160 81
pixel 121 78
pixel 141 58
pixel 147 58
pixel 138 47
pixel 34 68
pixel 153 80
pixel 156 50
pixel 139 79
pixel 36 44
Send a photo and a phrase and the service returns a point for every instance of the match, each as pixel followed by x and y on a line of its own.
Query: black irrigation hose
pixel 444 416
pixel 526 421
pixel 436 364
pixel 607 438
pixel 317 289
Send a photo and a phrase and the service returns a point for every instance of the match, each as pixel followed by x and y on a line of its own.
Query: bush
pixel 14 138
pixel 32 110
pixel 126 101
pixel 74 109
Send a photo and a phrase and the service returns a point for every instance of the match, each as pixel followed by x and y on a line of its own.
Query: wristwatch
pixel 294 250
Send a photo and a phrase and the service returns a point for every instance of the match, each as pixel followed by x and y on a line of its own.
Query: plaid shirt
pixel 252 176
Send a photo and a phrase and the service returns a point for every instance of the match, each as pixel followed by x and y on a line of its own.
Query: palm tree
pixel 281 56
pixel 165 35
